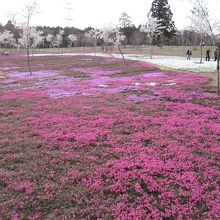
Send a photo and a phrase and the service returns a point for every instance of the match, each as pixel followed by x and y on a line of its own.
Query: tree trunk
pixel 95 49
pixel 151 50
pixel 201 53
pixel 122 55
pixel 218 77
pixel 28 61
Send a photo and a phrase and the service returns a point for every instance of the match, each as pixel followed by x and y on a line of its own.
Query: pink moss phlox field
pixel 96 72
pixel 144 64
pixel 115 143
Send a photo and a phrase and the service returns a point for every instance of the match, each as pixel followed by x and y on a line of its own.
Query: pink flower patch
pixel 26 187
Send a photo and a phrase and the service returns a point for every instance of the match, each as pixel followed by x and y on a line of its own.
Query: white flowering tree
pixel 28 33
pixel 106 36
pixel 153 29
pixel 59 38
pixel 117 39
pixel 94 35
pixel 30 38
pixel 49 38
pixel 72 38
pixel 112 35
pixel 7 39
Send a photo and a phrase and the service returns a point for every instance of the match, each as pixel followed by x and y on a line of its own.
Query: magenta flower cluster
pixel 120 143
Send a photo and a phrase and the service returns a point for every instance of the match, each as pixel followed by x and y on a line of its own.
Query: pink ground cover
pixel 110 145
pixel 96 72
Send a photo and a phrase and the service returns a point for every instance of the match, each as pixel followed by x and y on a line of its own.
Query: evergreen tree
pixel 160 9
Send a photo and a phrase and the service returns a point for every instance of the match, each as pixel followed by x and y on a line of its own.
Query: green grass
pixel 163 51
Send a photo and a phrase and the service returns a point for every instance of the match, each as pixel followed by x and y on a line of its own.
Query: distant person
pixel 216 54
pixel 207 57
pixel 189 54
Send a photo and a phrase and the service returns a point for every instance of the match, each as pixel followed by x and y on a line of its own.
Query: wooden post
pixel 201 54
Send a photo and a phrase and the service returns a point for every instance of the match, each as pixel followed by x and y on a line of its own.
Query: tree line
pixel 134 36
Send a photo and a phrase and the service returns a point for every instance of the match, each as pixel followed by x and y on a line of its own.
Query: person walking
pixel 216 54
pixel 207 58
pixel 189 54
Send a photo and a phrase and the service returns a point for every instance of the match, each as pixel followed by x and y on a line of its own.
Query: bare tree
pixel 201 14
pixel 199 27
pixel 12 17
pixel 200 22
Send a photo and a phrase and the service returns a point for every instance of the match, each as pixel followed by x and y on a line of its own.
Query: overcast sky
pixel 97 13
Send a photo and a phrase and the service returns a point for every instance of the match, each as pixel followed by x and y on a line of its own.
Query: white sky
pixel 97 13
